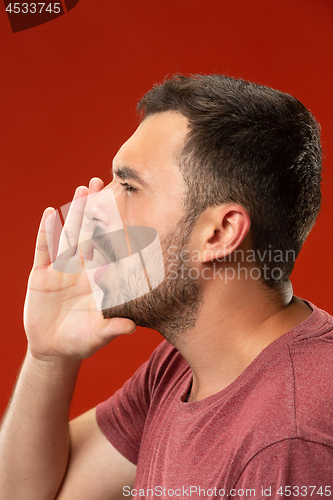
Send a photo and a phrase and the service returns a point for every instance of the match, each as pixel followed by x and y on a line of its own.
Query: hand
pixel 60 316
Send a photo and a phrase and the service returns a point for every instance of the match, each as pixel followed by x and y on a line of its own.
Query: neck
pixel 232 328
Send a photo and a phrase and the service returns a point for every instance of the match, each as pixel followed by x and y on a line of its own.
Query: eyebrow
pixel 128 173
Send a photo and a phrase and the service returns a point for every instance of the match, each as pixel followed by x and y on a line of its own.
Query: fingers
pixel 85 242
pixel 76 232
pixel 71 230
pixel 43 252
pixel 95 185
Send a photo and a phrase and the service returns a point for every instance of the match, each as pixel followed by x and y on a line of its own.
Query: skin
pixel 231 324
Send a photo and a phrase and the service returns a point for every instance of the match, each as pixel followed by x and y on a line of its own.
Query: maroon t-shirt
pixel 268 434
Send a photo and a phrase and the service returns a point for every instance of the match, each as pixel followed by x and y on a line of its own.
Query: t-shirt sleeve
pixel 288 469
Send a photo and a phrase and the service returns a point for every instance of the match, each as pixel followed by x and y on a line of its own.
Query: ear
pixel 223 231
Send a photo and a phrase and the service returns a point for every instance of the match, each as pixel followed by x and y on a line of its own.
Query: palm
pixel 61 317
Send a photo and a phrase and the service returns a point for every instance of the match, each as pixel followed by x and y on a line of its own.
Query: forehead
pixel 154 148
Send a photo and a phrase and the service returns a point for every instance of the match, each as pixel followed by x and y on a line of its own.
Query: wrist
pixel 53 364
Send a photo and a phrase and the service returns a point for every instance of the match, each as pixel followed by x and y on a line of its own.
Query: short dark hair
pixel 252 145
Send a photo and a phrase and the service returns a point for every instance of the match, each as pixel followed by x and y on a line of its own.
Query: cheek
pixel 158 212
pixel 137 210
pixel 133 214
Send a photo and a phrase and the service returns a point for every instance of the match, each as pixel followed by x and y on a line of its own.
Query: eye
pixel 128 188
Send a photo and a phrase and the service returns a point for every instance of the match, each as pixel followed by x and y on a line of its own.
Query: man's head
pixel 213 158
pixel 250 145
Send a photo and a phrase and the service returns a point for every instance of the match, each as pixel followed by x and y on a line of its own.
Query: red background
pixel 68 95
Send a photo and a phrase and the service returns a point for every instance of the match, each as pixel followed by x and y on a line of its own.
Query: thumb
pixel 108 329
pixel 113 327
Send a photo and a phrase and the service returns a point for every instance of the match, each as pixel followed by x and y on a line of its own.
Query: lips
pixel 98 275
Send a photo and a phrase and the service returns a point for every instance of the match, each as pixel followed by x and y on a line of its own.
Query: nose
pixel 102 210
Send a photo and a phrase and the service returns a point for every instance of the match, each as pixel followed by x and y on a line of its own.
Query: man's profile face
pixel 149 190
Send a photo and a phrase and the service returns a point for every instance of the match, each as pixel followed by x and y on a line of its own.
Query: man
pixel 237 401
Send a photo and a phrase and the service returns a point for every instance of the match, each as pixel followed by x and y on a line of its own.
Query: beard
pixel 172 307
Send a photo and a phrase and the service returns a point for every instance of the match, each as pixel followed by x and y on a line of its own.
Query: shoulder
pixel 305 354
pixel 290 392
pixel 287 392
pixel 310 348
pixel 291 422
pixel 311 360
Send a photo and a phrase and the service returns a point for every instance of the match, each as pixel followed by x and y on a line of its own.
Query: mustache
pixel 113 245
